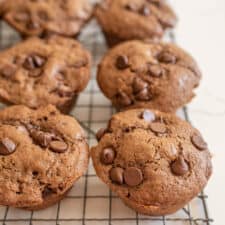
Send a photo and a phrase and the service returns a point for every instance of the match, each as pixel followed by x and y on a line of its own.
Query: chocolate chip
pixel 123 99
pixel 42 138
pixel 179 167
pixel 143 95
pixel 198 142
pixel 100 133
pixel 33 62
pixel 122 62
pixel 155 70
pixel 33 24
pixel 29 64
pixel 35 173
pixel 158 127
pixel 116 175
pixel 46 192
pixel 7 71
pixel 144 10
pixel 38 61
pixel 133 176
pixel 7 146
pixel 21 16
pixel 131 7
pixel 139 85
pixel 58 146
pixel 65 91
pixel 108 156
pixel 148 116
pixel 167 57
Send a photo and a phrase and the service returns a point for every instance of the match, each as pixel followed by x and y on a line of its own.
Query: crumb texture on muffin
pixel 148 74
pixel 42 153
pixel 155 162
pixel 123 20
pixel 37 72
pixel 40 18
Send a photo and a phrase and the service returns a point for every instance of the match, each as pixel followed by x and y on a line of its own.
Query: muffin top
pixel 37 72
pixel 40 17
pixel 148 74
pixel 42 153
pixel 154 161
pixel 135 19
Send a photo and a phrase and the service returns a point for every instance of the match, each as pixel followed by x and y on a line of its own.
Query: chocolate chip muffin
pixel 137 74
pixel 42 153
pixel 155 162
pixel 37 72
pixel 41 17
pixel 123 20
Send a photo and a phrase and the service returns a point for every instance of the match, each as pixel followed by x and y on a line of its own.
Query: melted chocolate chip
pixel 143 95
pixel 108 156
pixel 158 127
pixel 42 138
pixel 167 57
pixel 148 116
pixel 58 146
pixel 38 61
pixel 155 70
pixel 21 16
pixel 139 85
pixel 144 10
pixel 133 176
pixel 122 62
pixel 33 24
pixel 100 133
pixel 7 146
pixel 29 64
pixel 33 62
pixel 198 142
pixel 46 192
pixel 8 71
pixel 65 91
pixel 123 99
pixel 131 7
pixel 179 167
pixel 116 175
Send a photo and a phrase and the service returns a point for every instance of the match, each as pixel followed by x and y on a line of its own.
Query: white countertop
pixel 201 31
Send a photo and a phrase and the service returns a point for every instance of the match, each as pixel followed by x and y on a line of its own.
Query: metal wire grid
pixel 90 202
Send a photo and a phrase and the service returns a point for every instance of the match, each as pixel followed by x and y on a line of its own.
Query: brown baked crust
pixel 136 145
pixel 34 176
pixel 38 18
pixel 37 72
pixel 167 91
pixel 122 20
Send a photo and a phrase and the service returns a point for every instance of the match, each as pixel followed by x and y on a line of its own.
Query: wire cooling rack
pixel 90 202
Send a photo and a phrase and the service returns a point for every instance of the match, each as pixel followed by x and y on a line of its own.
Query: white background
pixel 201 31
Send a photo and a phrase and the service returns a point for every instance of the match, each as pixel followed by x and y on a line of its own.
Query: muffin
pixel 123 20
pixel 138 74
pixel 42 154
pixel 37 72
pixel 155 162
pixel 40 18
